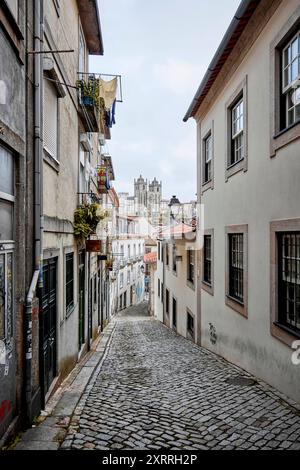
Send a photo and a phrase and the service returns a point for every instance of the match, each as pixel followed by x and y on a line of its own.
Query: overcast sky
pixel 162 49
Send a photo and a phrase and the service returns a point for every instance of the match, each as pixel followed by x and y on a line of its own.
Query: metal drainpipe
pixel 38 206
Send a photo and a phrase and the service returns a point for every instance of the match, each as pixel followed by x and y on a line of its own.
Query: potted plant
pixel 86 219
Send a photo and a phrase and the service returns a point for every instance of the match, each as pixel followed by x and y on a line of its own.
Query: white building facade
pixel 248 125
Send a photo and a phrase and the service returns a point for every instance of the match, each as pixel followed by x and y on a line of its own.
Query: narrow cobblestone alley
pixel 157 390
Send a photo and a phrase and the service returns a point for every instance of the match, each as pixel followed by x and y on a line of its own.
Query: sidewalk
pixel 51 432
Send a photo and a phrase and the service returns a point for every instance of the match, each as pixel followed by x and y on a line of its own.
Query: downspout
pixel 38 206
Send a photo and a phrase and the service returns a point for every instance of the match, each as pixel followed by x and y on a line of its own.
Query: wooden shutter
pixel 50 118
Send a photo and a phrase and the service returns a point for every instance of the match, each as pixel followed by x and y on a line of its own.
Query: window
pixel 129 254
pixel 290 87
pixel 6 294
pixel 95 289
pixel 191 266
pixel 289 280
pixel 50 119
pixel 82 53
pixel 7 191
pixel 207 259
pixel 128 277
pixel 158 287
pixel 236 267
pixel 167 255
pixel 69 282
pixel 158 251
pixel 285 85
pixel 190 325
pixel 174 264
pixel 207 158
pixel 167 302
pixel 121 280
pixel 237 132
pixel 174 313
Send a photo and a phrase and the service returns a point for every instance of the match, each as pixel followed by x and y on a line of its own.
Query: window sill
pixel 206 186
pixel 236 305
pixel 284 137
pixel 285 334
pixel 51 161
pixel 70 311
pixel 190 284
pixel 207 287
pixel 236 167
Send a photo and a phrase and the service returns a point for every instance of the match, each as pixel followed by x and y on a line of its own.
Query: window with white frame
pixel 121 280
pixel 207 158
pixel 7 199
pixel 237 132
pixel 128 277
pixel 50 119
pixel 291 80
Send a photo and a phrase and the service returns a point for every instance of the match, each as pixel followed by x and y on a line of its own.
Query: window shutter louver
pixel 50 118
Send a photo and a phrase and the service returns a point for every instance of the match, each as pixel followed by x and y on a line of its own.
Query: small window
pixel 190 324
pixel 237 132
pixel 6 294
pixel 167 255
pixel 174 314
pixel 207 158
pixel 158 251
pixel 69 282
pixel 207 259
pixel 158 287
pixel 191 266
pixel 95 289
pixel 290 78
pixel 174 263
pixel 289 280
pixel 236 266
pixel 50 119
pixel 167 302
pixel 128 277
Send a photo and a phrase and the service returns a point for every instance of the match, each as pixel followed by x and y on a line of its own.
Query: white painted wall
pixel 269 190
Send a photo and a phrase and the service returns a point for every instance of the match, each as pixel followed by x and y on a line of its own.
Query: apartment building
pixel 247 111
pixel 128 257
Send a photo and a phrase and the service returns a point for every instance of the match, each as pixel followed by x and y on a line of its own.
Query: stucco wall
pixel 269 190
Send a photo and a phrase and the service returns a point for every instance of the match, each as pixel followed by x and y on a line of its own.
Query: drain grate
pixel 241 381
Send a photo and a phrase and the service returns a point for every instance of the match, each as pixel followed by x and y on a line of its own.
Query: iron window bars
pixel 207 259
pixel 289 279
pixel 236 266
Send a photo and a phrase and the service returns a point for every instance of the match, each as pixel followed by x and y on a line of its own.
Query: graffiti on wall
pixel 5 409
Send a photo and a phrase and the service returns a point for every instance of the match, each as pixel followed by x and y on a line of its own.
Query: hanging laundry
pixel 113 112
pixel 108 91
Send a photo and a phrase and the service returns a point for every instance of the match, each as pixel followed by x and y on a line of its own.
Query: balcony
pixel 98 95
pixel 88 109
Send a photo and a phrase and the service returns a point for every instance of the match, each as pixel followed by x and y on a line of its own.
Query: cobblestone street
pixel 157 390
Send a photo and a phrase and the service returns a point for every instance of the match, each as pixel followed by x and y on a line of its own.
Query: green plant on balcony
pixel 89 90
pixel 86 219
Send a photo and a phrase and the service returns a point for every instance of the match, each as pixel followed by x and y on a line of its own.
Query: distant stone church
pixel 147 200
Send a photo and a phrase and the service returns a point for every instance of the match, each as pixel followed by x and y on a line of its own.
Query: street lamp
pixel 175 207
